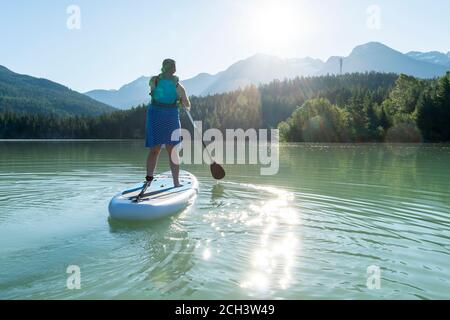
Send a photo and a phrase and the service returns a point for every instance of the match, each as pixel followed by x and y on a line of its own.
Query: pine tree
pixel 443 98
pixel 426 117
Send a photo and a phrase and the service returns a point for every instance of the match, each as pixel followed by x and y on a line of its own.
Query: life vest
pixel 164 93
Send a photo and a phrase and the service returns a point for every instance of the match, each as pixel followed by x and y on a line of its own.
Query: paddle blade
pixel 217 171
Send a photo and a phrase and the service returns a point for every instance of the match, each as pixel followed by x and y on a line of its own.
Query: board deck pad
pixel 161 186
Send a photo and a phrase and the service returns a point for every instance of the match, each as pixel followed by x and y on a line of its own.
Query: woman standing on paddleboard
pixel 163 119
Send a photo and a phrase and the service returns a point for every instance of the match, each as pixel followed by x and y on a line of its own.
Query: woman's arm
pixel 152 84
pixel 181 92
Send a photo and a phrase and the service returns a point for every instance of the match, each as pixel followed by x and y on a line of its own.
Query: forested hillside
pixel 413 111
pixel 369 107
pixel 28 95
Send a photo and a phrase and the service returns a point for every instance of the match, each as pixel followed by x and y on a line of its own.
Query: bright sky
pixel 118 41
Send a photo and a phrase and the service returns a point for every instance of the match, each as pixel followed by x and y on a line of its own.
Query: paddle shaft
pixel 216 169
pixel 195 127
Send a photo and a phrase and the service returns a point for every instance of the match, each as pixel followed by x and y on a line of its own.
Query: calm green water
pixel 310 232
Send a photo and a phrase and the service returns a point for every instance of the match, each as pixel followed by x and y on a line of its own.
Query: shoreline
pixel 281 143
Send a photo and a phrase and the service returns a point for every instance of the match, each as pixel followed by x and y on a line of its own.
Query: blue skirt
pixel 162 124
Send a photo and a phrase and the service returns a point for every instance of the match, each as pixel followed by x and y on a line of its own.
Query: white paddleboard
pixel 161 199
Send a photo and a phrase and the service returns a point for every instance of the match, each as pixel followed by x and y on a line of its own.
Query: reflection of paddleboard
pixel 160 200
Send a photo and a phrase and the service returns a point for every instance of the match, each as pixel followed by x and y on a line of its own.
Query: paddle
pixel 144 188
pixel 216 169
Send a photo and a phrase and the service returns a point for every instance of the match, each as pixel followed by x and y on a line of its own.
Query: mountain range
pixel 23 93
pixel 260 68
pixel 26 94
pixel 257 69
pixel 435 57
pixel 378 57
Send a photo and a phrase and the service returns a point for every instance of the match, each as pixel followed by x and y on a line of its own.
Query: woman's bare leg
pixel 174 161
pixel 152 160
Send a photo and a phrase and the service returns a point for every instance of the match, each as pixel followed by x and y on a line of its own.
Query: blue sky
pixel 120 40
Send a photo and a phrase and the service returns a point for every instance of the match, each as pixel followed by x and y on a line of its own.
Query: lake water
pixel 310 232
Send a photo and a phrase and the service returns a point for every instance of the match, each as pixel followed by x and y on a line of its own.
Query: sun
pixel 277 26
